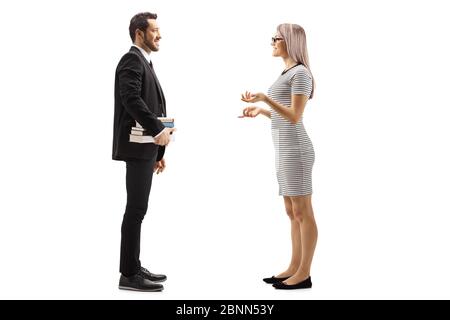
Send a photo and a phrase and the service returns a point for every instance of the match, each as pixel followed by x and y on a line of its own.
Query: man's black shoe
pixel 151 276
pixel 138 283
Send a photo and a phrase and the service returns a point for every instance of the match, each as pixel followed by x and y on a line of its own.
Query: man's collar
pixel 144 53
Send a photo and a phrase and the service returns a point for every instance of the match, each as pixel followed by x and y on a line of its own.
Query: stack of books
pixel 139 134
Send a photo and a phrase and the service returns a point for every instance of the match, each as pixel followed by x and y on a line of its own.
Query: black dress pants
pixel 139 181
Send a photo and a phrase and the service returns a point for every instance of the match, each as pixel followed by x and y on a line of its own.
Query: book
pixel 166 119
pixel 162 119
pixel 141 139
pixel 166 124
pixel 145 139
pixel 139 134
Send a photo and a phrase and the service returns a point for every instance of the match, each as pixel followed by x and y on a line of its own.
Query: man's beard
pixel 149 45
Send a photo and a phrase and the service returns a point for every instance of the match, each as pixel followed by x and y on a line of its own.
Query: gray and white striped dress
pixel 294 152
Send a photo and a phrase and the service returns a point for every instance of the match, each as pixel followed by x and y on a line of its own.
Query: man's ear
pixel 139 33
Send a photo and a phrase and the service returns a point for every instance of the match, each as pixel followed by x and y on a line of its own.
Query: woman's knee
pixel 298 214
pixel 300 210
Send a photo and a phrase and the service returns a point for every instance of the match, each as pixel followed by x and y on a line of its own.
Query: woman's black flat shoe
pixel 274 279
pixel 305 284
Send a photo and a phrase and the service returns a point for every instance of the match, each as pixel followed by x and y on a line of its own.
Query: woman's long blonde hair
pixel 295 39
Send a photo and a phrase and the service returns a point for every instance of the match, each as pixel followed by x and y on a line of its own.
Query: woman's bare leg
pixel 296 241
pixel 304 215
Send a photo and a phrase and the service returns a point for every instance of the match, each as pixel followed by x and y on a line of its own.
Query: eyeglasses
pixel 276 39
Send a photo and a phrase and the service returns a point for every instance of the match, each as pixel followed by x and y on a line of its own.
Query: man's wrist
pixel 159 133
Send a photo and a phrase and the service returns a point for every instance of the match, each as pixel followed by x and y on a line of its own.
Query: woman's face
pixel 279 46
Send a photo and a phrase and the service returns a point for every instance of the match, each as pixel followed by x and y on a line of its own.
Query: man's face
pixel 151 36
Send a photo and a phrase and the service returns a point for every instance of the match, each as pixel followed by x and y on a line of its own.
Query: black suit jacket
pixel 137 97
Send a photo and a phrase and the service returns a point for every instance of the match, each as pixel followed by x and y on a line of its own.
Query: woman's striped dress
pixel 294 152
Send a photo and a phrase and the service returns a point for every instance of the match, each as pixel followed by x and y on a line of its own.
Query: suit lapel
pixel 152 72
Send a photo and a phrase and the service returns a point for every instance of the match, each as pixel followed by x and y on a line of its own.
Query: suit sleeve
pixel 161 150
pixel 130 72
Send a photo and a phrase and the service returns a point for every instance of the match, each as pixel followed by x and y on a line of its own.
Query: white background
pixel 216 225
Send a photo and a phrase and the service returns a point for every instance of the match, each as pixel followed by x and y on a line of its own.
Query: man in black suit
pixel 139 97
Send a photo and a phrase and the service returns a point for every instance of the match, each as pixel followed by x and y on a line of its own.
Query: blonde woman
pixel 287 99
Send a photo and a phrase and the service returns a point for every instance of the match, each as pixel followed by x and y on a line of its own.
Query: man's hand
pixel 159 166
pixel 163 138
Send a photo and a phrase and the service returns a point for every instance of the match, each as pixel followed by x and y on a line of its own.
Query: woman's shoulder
pixel 300 72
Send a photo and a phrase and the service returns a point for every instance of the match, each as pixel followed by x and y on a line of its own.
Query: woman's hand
pixel 250 112
pixel 253 97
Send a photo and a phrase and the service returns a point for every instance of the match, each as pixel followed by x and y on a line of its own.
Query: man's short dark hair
pixel 139 21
